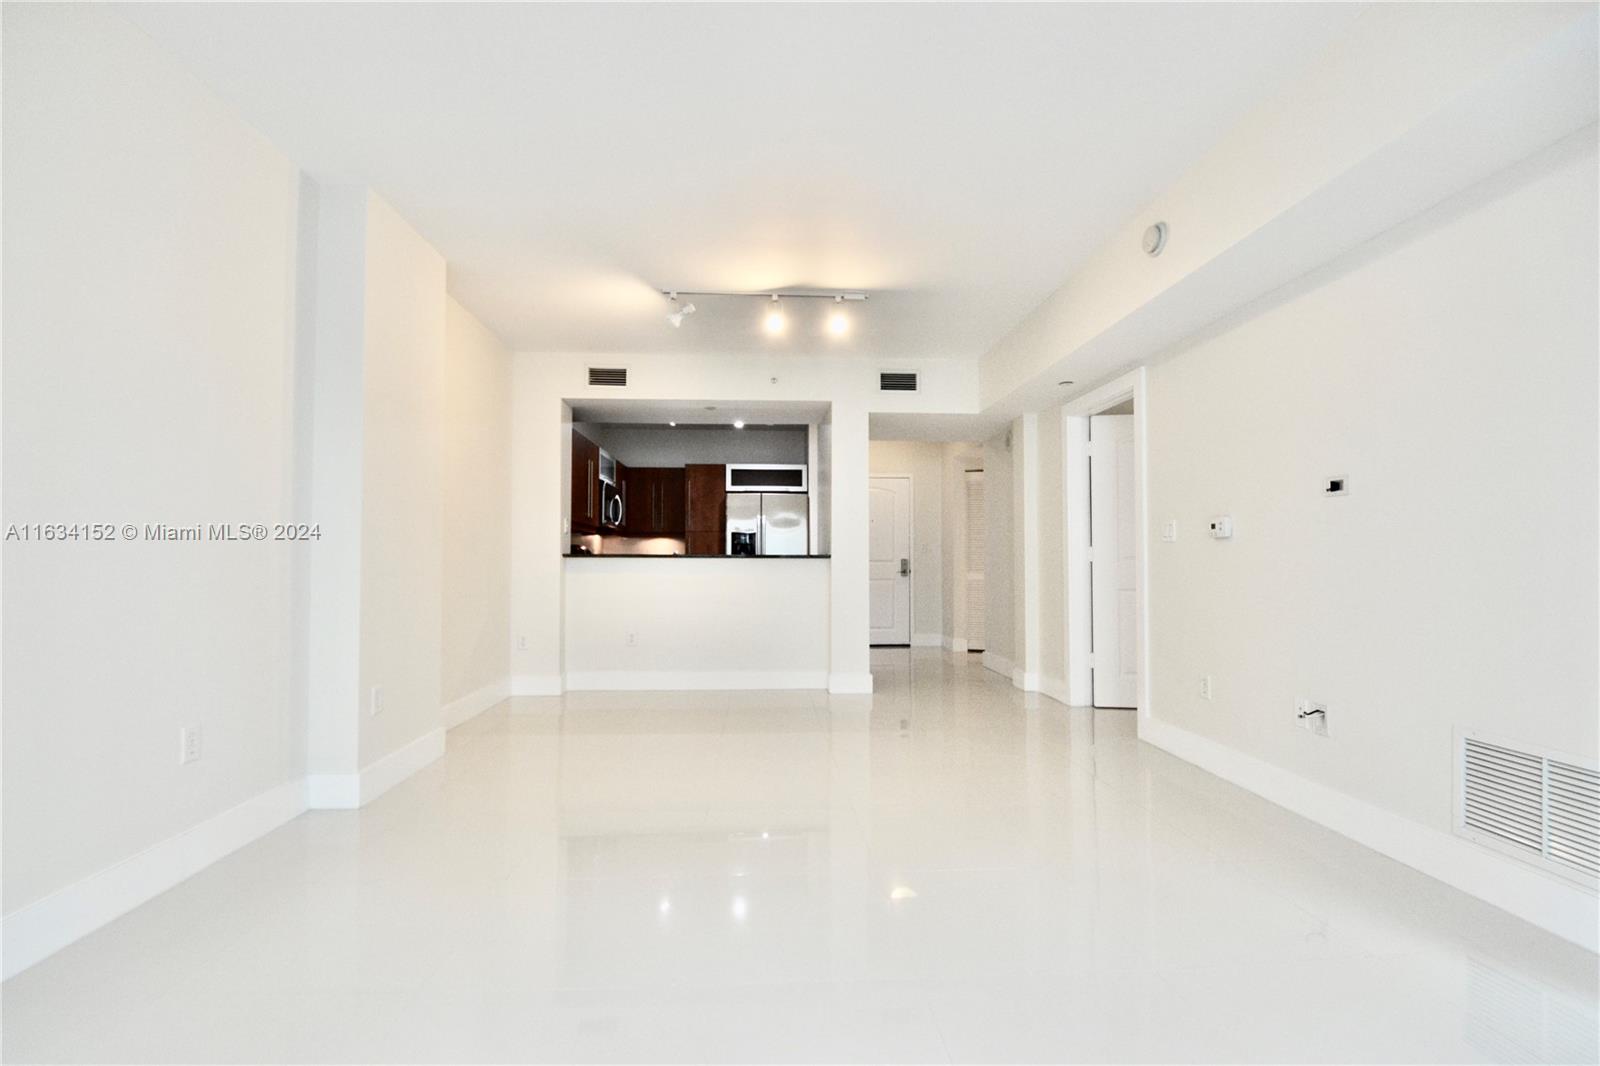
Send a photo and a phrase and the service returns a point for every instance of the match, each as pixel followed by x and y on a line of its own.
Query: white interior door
pixel 976 549
pixel 1113 575
pixel 889 559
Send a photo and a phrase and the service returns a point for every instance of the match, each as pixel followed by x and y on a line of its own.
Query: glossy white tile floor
pixel 946 871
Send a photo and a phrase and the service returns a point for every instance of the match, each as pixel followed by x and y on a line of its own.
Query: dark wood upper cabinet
pixel 585 484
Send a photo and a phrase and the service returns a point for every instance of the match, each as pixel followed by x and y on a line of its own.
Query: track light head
pixel 774 322
pixel 838 321
pixel 677 317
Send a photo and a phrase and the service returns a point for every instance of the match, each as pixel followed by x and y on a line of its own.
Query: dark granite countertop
pixel 625 555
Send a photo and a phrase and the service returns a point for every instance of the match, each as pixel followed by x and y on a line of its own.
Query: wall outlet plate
pixel 1169 530
pixel 1222 527
pixel 1205 687
pixel 376 702
pixel 1319 721
pixel 188 744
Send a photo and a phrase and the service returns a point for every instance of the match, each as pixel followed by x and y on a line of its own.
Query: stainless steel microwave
pixel 766 477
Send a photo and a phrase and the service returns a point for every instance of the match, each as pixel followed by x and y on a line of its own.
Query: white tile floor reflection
pixel 946 871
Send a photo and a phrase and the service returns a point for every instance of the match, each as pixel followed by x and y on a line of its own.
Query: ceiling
pixel 955 162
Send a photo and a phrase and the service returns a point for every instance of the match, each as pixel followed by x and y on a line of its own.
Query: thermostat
pixel 1221 527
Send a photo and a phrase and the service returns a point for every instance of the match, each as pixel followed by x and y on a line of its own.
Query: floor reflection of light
pixel 741 908
pixel 900 892
pixel 665 906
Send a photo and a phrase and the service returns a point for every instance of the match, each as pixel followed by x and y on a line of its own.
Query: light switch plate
pixel 1169 530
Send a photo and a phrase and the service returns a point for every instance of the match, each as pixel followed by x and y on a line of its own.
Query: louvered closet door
pixel 977 537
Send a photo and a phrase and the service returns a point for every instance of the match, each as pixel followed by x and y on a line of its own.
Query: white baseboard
pixel 44 927
pixel 536 685
pixel 998 663
pixel 473 704
pixel 850 684
pixel 342 792
pixel 1055 688
pixel 958 644
pixel 1027 682
pixel 333 792
pixel 927 640
pixel 1566 910
pixel 400 764
pixel 692 680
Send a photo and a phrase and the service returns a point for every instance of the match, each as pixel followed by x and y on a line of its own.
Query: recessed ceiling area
pixel 699 412
pixel 570 161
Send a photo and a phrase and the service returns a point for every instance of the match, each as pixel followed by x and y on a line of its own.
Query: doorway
pixel 1105 544
pixel 889 560
pixel 1113 583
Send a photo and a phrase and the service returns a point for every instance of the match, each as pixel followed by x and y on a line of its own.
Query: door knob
pixel 905 567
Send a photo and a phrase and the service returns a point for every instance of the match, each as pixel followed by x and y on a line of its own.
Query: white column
pixel 850 667
pixel 334 439
pixel 541 471
pixel 1025 569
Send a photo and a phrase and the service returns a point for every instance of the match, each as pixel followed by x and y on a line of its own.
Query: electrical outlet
pixel 376 707
pixel 633 640
pixel 1205 687
pixel 522 642
pixel 1302 707
pixel 188 744
pixel 1169 530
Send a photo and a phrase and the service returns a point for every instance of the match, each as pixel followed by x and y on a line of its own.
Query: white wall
pixel 924 462
pixel 1449 372
pixel 956 459
pixel 1000 570
pixel 475 580
pixel 696 623
pixel 149 265
pixel 1052 580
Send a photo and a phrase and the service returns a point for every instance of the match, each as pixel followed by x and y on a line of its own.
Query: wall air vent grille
pixel 897 381
pixel 608 375
pixel 1540 807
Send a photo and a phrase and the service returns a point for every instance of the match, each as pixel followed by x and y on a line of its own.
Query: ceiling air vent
pixel 1542 808
pixel 608 375
pixel 897 381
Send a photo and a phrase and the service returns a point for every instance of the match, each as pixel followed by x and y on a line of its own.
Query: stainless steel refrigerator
pixel 768 523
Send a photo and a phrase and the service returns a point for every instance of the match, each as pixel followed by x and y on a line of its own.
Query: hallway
pixel 948 870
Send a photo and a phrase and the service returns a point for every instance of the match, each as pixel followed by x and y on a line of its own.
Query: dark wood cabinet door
pixel 640 493
pixel 703 543
pixel 705 492
pixel 671 489
pixel 585 484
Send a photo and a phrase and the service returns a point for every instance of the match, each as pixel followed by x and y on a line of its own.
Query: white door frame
pixel 1075 530
pixel 911 553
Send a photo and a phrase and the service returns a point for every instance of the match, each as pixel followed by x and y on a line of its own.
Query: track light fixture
pixel 684 311
pixel 774 322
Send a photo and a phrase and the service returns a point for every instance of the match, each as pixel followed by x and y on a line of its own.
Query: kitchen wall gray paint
pixel 634 445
